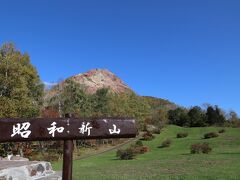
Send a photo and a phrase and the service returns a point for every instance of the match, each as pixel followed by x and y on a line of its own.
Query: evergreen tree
pixel 179 117
pixel 197 117
pixel 215 116
pixel 211 115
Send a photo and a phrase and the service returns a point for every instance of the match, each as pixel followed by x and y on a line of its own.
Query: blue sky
pixel 184 51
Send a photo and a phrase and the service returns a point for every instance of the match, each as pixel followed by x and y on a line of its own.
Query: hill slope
pixel 158 103
pixel 174 162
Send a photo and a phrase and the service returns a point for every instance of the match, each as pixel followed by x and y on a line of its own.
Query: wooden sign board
pixel 67 129
pixel 39 129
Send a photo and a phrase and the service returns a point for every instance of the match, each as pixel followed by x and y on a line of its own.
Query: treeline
pixel 199 117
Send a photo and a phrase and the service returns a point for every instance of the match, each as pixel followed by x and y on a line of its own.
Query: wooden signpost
pixel 67 129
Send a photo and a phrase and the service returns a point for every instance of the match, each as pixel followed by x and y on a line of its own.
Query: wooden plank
pixel 39 129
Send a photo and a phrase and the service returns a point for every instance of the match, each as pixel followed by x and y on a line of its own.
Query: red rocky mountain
pixel 96 79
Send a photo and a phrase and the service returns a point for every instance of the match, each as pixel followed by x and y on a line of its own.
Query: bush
pixel 182 135
pixel 198 148
pixel 139 143
pixel 5 149
pixel 157 131
pixel 138 148
pixel 210 135
pixel 132 151
pixel 126 154
pixel 222 131
pixel 145 149
pixel 205 148
pixel 166 143
pixel 51 157
pixel 195 148
pixel 147 136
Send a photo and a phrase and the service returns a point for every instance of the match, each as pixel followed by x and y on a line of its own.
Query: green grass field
pixel 174 162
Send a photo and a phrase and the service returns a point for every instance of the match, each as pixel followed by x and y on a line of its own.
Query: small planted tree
pixel 126 154
pixel 166 143
pixel 200 148
pixel 222 131
pixel 132 151
pixel 182 135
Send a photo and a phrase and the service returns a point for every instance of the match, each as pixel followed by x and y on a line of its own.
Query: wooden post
pixel 67 158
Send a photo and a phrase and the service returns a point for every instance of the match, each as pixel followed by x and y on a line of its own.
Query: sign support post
pixel 67 160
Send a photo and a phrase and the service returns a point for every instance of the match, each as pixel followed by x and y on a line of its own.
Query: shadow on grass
pixel 228 153
pixel 161 147
pixel 186 154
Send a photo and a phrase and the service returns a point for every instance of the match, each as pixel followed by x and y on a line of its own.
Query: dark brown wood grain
pixel 67 160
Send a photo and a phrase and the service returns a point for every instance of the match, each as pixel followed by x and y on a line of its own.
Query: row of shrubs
pixel 138 148
pixel 195 148
pixel 206 136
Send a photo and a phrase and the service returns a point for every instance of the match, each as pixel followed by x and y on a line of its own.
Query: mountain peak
pixel 101 78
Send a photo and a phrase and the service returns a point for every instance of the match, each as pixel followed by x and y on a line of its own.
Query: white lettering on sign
pixel 85 128
pixel 21 129
pixel 114 130
pixel 54 128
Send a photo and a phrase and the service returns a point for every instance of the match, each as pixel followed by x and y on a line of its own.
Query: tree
pixel 163 115
pixel 21 91
pixel 100 102
pixel 178 116
pixel 197 117
pixel 215 116
pixel 220 116
pixel 233 116
pixel 234 119
pixel 70 99
pixel 129 105
pixel 159 117
pixel 211 115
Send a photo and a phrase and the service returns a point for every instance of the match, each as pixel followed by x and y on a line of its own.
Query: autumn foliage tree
pixel 21 90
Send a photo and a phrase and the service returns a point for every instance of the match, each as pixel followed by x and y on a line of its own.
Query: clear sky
pixel 184 51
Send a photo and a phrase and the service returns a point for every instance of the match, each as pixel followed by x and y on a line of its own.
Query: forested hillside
pixel 72 98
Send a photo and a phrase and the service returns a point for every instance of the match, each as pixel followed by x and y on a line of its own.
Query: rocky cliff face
pixel 101 78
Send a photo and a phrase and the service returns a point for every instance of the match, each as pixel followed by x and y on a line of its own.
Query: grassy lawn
pixel 174 162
